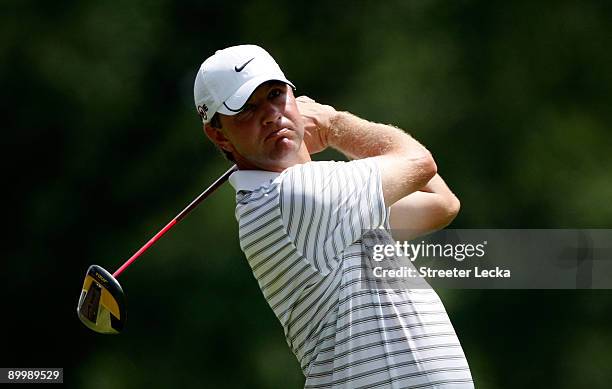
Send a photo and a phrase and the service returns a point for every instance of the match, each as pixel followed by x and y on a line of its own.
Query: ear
pixel 217 137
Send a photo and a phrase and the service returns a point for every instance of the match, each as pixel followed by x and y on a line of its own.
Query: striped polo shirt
pixel 301 233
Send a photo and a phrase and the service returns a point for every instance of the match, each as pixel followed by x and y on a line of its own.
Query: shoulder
pixel 326 182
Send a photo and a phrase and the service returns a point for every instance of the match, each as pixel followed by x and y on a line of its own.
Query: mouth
pixel 278 133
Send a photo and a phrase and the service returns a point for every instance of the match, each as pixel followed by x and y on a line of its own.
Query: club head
pixel 102 303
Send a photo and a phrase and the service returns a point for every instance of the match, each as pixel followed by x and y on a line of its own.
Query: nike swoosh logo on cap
pixel 239 69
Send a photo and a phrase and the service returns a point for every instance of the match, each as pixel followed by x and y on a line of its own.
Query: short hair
pixel 215 122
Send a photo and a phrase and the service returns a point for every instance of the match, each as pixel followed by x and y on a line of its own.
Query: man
pixel 300 225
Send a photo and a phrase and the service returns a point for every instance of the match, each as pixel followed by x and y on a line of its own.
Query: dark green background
pixel 102 147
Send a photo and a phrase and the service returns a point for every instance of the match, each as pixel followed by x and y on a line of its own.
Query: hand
pixel 317 119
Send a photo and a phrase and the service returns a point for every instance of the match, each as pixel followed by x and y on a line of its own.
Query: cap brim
pixel 234 103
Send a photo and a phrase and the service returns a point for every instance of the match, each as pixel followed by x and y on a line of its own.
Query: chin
pixel 282 161
pixel 283 154
pixel 284 150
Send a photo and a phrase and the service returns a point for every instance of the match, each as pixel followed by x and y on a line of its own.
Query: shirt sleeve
pixel 327 206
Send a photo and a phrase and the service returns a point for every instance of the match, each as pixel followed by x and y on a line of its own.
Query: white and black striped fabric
pixel 300 231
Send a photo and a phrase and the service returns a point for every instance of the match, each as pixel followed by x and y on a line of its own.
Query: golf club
pixel 101 305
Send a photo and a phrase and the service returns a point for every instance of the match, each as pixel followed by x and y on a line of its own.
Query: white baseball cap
pixel 226 80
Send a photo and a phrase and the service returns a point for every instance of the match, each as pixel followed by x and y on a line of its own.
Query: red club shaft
pixel 177 219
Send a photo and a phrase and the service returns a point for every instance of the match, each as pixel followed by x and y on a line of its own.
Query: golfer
pixel 301 223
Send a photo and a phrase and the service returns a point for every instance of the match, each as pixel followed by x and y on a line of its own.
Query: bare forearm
pixel 404 163
pixel 431 208
pixel 358 138
pixel 443 195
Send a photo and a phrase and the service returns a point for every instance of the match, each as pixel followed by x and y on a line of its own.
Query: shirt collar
pixel 250 180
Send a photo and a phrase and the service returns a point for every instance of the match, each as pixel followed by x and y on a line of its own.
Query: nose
pixel 272 113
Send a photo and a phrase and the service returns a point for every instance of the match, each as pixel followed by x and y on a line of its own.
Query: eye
pixel 275 92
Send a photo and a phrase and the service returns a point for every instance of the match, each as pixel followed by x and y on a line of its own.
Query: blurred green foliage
pixel 103 146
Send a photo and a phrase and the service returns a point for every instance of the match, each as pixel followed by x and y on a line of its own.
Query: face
pixel 267 134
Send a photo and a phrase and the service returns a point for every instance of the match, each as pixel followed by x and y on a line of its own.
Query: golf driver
pixel 101 305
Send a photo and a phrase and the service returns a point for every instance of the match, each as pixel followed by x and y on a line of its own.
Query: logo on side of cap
pixel 202 109
pixel 239 69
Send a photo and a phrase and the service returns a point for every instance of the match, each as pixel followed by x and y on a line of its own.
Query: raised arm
pixel 405 165
pixel 420 200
